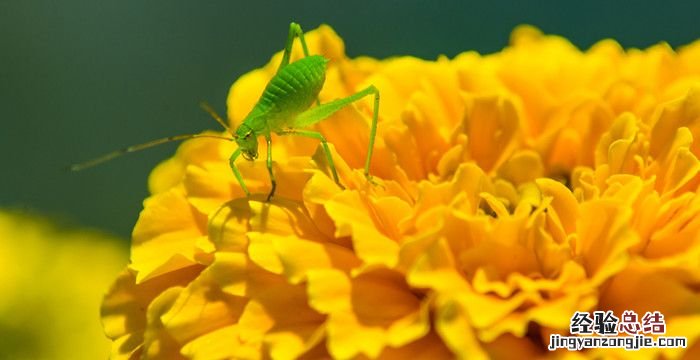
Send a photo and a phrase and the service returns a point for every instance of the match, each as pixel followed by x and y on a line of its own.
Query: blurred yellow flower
pixel 51 286
pixel 515 189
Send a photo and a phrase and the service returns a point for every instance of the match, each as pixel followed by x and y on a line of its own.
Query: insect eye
pixel 247 136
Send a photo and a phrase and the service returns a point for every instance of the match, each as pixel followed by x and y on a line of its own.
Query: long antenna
pixel 206 107
pixel 139 147
pixel 115 154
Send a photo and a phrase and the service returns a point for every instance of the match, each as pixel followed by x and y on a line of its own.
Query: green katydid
pixel 284 107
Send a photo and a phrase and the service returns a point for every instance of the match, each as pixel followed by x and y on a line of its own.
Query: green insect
pixel 284 108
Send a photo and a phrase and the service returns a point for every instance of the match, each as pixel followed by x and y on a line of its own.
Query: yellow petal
pixel 200 308
pixel 492 125
pixel 168 243
pixel 676 114
pixel 352 219
pixel 221 343
pixel 455 329
pixel 157 342
pixel 359 322
pixel 299 256
pixel 604 237
pixel 124 307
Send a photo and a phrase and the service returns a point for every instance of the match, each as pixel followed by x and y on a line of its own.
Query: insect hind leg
pixel 323 111
pixel 294 31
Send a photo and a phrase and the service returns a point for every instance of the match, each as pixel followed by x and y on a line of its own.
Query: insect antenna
pixel 206 107
pixel 139 147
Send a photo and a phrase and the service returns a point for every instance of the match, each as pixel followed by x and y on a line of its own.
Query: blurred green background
pixel 81 77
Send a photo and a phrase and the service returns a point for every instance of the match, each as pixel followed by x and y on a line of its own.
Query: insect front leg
pixel 269 167
pixel 317 135
pixel 294 31
pixel 236 173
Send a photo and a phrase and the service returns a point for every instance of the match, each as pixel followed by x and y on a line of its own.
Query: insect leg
pixel 372 131
pixel 294 31
pixel 316 114
pixel 237 173
pixel 317 135
pixel 269 167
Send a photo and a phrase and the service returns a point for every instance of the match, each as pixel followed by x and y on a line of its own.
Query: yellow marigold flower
pixel 515 189
pixel 51 285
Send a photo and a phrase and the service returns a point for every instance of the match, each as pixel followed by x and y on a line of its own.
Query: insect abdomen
pixel 294 88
